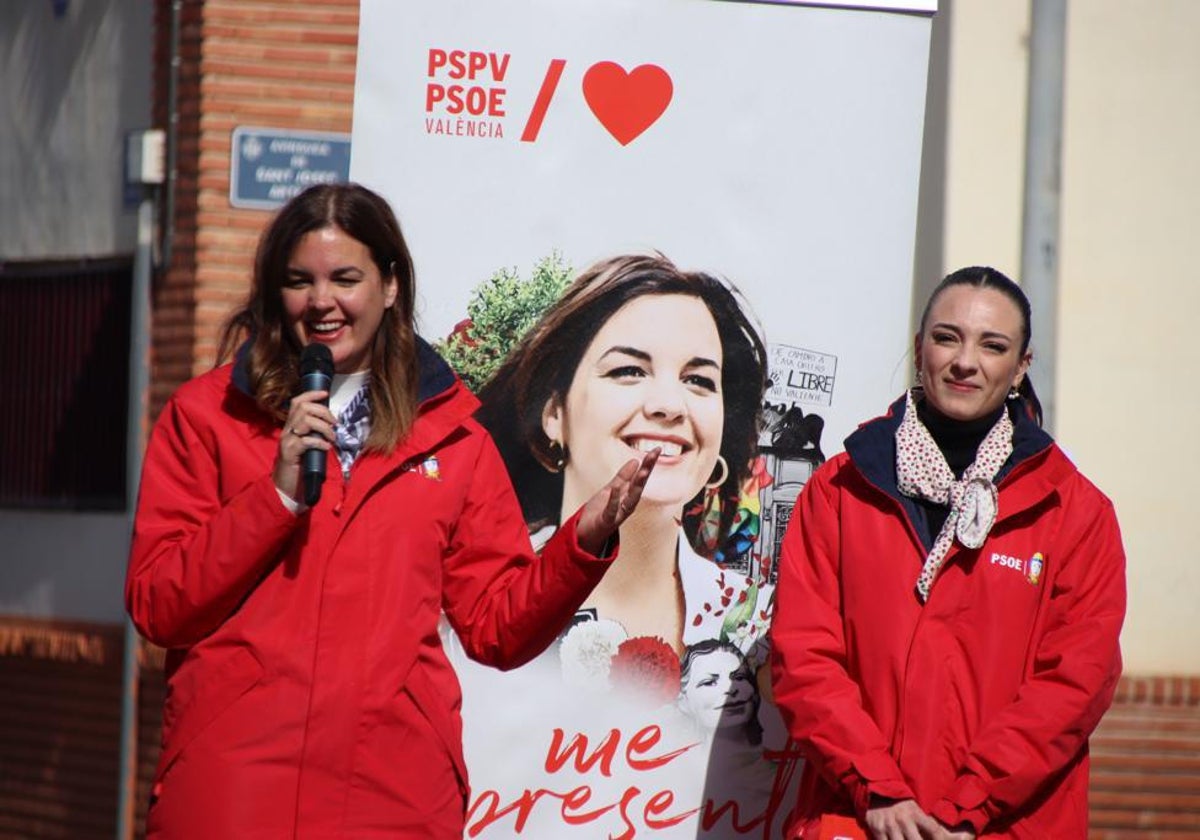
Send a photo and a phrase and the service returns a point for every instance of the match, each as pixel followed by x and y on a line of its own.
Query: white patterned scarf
pixel 922 473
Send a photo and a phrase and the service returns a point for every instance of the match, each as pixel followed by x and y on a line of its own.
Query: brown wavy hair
pixel 543 365
pixel 270 351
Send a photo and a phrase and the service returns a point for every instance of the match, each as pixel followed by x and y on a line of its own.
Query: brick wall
pixel 266 63
pixel 1145 781
pixel 60 726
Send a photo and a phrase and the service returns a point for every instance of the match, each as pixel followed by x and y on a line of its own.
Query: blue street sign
pixel 270 165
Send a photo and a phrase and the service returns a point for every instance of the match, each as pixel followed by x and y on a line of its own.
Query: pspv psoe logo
pixel 466 95
pixel 1031 568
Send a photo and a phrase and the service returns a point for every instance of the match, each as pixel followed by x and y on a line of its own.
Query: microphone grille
pixel 316 358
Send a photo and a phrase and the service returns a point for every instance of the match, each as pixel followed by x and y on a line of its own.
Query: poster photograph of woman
pixel 636 354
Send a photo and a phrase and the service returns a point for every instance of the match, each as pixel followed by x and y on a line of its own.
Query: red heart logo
pixel 627 103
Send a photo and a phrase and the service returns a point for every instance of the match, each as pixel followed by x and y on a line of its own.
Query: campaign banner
pixel 682 224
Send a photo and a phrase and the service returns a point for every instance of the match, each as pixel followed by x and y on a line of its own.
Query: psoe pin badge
pixel 1034 568
pixel 430 468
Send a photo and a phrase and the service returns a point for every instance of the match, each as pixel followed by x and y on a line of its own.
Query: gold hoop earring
pixel 723 466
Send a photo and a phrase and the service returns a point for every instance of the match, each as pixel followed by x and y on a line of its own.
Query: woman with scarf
pixel 950 598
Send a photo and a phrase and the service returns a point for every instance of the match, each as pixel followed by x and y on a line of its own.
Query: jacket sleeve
pixel 194 557
pixel 819 700
pixel 505 602
pixel 1076 665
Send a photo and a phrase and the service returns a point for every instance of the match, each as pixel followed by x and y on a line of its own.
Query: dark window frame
pixel 64 363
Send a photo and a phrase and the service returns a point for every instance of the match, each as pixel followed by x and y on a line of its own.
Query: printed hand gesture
pixel 612 504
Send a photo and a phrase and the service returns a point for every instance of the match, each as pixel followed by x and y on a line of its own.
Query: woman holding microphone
pixel 308 694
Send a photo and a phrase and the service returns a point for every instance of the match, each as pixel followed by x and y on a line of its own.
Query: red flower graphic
pixel 647 666
pixel 462 331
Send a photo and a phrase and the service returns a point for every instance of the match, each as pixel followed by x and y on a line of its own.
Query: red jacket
pixel 307 691
pixel 979 703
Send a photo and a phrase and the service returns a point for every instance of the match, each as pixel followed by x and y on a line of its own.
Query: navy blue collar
pixel 872 448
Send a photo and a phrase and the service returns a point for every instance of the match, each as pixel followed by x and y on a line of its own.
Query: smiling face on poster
pixel 775 160
pixel 637 354
pixel 650 379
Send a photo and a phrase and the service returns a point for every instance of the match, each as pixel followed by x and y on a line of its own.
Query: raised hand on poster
pixel 612 504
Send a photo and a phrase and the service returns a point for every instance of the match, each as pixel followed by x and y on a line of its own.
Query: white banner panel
pixel 775 146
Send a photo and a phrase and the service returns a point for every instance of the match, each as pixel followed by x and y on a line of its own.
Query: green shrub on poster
pixel 500 312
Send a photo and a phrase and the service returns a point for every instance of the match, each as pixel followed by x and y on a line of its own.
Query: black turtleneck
pixel 959 441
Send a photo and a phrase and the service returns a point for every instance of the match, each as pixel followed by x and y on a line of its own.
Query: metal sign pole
pixel 1043 191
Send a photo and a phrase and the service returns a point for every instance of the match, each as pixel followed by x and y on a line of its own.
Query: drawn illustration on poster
pixel 790 443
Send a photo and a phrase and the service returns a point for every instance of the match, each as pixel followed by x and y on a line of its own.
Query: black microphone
pixel 316 374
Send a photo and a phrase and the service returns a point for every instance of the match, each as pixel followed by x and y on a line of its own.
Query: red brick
pixel 227 90
pixel 218 51
pixel 268 70
pixel 311 15
pixel 339 37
